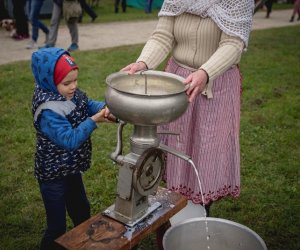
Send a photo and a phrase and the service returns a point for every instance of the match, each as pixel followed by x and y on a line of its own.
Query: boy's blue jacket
pixel 63 126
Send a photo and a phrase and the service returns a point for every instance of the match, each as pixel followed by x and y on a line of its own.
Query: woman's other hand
pixel 134 67
pixel 197 81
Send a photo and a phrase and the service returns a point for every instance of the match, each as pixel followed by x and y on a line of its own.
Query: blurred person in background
pixel 3 11
pixel 148 6
pixel 22 29
pixel 35 9
pixel 85 7
pixel 72 24
pixel 296 10
pixel 123 4
pixel 269 5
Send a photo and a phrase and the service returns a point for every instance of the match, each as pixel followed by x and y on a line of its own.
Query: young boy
pixel 64 119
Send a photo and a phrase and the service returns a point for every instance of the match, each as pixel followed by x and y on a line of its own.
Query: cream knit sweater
pixel 194 42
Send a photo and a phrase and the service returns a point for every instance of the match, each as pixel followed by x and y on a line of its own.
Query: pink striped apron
pixel 209 133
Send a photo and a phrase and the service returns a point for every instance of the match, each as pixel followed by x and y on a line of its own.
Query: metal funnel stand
pixel 146 99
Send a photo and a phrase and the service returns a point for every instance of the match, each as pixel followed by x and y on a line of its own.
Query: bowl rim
pixel 110 77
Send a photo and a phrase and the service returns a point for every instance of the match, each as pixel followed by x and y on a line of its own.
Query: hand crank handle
pixel 115 156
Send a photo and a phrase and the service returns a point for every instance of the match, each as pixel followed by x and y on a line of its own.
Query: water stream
pixel 202 196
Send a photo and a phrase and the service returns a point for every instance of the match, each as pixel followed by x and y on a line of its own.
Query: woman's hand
pixel 103 115
pixel 134 67
pixel 197 81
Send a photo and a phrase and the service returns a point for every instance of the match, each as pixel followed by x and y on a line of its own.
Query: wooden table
pixel 101 232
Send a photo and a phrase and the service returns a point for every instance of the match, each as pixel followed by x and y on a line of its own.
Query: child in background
pixel 64 119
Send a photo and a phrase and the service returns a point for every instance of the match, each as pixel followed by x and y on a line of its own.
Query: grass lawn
pixel 270 138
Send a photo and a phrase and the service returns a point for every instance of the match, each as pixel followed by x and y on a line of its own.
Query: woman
pixel 205 39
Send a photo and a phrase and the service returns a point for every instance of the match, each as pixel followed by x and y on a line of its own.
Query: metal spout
pixel 174 152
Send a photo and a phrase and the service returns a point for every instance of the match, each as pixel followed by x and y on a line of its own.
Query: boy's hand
pixel 103 115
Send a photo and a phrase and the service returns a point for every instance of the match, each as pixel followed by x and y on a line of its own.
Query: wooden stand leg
pixel 160 234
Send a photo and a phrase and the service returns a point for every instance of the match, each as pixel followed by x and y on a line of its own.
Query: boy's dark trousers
pixel 67 194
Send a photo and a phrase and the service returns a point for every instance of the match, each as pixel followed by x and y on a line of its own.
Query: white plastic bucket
pixel 190 211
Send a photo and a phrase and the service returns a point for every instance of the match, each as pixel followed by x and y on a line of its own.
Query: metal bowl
pixel 147 97
pixel 211 233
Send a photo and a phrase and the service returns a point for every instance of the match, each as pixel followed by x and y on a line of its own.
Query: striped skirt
pixel 209 133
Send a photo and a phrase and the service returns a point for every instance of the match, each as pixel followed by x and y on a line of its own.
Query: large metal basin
pixel 146 98
pixel 222 234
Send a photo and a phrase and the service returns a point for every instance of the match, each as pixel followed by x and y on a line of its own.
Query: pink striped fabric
pixel 209 133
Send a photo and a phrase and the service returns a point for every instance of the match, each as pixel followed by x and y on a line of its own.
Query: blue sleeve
pixel 58 129
pixel 95 106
